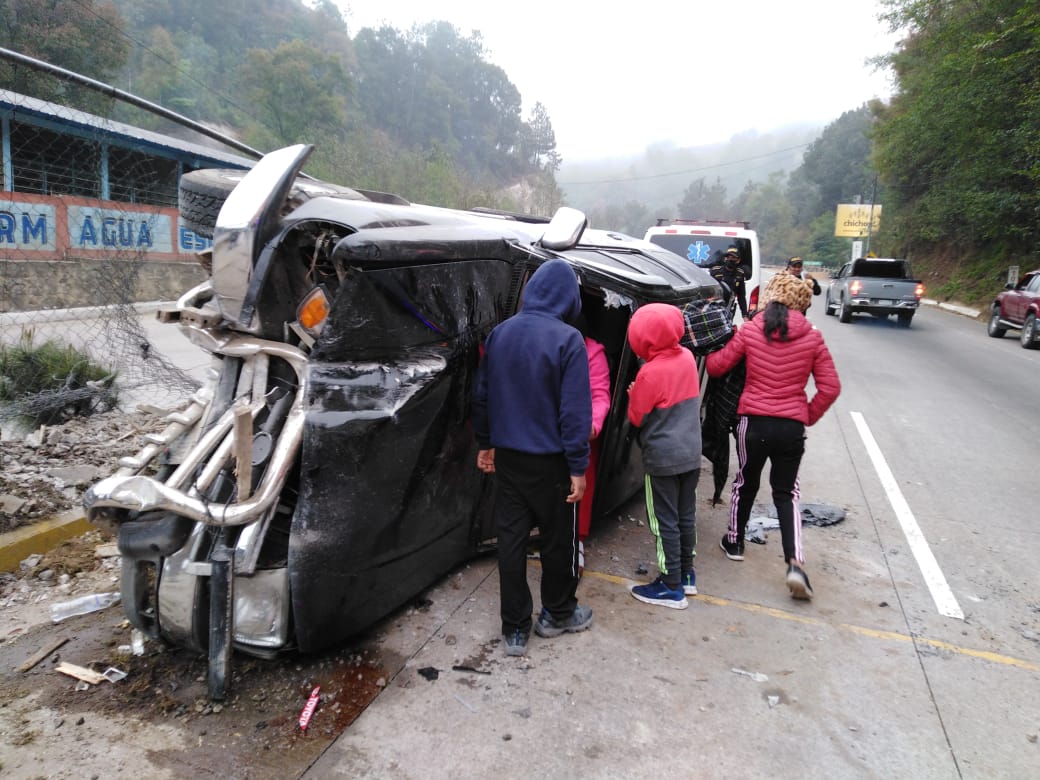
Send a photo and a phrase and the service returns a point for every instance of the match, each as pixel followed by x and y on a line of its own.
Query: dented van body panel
pixel 326 474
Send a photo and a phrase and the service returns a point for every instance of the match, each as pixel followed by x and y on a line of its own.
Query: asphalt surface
pixel 867 680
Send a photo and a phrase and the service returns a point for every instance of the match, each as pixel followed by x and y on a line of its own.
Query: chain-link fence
pixel 89 230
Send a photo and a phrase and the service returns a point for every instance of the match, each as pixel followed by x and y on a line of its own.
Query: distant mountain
pixel 661 174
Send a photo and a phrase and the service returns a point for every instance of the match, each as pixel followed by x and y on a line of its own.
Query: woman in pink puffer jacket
pixel 781 350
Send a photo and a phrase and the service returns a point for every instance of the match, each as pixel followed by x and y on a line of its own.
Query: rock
pixel 107 551
pixel 76 475
pixel 11 504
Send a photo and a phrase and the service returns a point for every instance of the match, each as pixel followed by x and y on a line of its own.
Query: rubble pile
pixel 43 472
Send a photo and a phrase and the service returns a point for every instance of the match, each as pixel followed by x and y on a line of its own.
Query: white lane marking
pixel 933 576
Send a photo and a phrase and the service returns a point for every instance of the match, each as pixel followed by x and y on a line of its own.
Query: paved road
pixel 869 680
pixel 874 678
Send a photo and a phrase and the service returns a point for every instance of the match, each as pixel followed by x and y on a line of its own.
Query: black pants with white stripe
pixel 532 492
pixel 781 441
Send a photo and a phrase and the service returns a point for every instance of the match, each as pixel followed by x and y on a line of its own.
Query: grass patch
pixel 50 382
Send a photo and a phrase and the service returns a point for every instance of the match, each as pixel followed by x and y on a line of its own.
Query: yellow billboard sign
pixel 853 219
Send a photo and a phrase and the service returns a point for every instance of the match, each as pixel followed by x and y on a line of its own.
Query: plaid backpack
pixel 709 325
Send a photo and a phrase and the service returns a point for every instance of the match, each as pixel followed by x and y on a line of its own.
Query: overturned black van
pixel 326 475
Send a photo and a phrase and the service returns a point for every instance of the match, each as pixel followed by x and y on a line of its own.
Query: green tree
pixel 704 201
pixel 835 168
pixel 824 246
pixel 484 104
pixel 957 146
pixel 539 144
pixel 296 90
pixel 88 41
pixel 173 74
pixel 433 90
pixel 771 216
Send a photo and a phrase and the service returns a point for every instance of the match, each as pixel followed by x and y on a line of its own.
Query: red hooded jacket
pixel 664 400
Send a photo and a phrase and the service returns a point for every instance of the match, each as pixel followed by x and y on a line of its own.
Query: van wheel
pixel 844 311
pixel 993 328
pixel 1029 333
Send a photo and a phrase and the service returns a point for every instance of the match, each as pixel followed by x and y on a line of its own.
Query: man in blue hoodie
pixel 532 415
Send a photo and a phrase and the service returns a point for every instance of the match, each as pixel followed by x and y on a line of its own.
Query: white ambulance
pixel 703 242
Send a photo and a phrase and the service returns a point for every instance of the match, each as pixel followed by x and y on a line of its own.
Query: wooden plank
pixel 42 653
pixel 80 673
pixel 243 438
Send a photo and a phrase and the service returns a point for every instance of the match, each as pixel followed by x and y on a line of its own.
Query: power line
pixel 684 173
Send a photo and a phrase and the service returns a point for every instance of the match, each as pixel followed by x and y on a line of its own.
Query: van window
pixel 703 251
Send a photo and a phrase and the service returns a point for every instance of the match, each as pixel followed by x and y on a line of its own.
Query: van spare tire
pixel 202 193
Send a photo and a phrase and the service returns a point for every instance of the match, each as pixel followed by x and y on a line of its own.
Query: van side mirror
pixel 564 230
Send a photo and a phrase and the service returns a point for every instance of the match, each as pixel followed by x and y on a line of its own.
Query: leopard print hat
pixel 789 290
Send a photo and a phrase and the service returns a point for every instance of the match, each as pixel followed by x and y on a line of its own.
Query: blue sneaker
pixel 548 626
pixel 689 582
pixel 516 642
pixel 660 594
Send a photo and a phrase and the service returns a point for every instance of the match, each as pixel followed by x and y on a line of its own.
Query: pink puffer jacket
pixel 778 371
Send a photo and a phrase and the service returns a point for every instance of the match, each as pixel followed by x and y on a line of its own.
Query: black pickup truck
pixel 875 285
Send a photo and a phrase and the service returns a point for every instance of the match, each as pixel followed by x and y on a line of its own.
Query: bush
pixel 51 382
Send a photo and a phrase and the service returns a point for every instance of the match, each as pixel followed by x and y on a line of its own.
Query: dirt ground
pixel 159 720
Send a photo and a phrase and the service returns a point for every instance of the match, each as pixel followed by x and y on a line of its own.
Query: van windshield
pixel 703 250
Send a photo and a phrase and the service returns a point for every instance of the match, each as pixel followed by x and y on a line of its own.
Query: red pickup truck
pixel 1018 307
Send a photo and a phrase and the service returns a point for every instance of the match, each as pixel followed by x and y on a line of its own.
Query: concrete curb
pixel 956 308
pixel 40 537
pixel 61 315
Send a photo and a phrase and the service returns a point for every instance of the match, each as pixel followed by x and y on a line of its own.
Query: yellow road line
pixel 760 609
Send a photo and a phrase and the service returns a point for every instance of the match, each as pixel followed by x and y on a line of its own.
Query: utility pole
pixel 870 221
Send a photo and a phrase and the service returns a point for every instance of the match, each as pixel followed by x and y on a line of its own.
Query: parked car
pixel 327 474
pixel 1018 307
pixel 875 285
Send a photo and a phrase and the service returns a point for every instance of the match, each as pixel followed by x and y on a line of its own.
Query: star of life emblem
pixel 698 252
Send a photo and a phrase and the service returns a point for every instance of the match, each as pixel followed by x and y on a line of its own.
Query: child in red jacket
pixel 664 403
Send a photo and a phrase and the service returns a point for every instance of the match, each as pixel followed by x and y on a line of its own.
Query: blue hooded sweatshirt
pixel 532 389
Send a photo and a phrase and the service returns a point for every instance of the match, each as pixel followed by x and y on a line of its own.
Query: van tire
pixel 202 193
